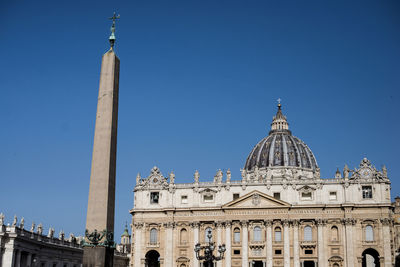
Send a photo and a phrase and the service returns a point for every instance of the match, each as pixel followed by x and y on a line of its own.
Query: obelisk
pixel 99 246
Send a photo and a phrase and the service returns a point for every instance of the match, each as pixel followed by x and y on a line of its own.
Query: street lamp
pixel 208 255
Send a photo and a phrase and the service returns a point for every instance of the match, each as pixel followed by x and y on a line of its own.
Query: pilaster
pixel 296 258
pixel 386 222
pixel 268 225
pixel 228 253
pixel 286 243
pixel 245 245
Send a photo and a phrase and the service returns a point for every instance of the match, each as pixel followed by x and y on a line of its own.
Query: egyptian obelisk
pixel 99 235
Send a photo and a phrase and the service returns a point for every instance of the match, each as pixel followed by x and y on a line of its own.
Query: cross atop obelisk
pixel 112 36
pixel 99 245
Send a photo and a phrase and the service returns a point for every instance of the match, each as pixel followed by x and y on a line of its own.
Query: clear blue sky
pixel 198 87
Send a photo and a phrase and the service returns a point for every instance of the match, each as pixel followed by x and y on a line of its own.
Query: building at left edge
pixel 20 247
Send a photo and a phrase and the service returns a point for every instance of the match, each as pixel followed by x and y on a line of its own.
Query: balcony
pixel 153 244
pixel 256 244
pixel 308 244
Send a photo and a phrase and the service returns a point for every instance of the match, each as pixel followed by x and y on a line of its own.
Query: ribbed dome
pixel 281 148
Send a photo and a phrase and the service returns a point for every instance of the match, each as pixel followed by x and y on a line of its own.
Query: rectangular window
pixel 308 251
pixel 306 195
pixel 184 199
pixel 278 252
pixel 154 196
pixel 236 252
pixel 332 196
pixel 208 198
pixel 235 196
pixel 367 192
pixel 277 195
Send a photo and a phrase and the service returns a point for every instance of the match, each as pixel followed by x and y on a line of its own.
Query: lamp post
pixel 208 256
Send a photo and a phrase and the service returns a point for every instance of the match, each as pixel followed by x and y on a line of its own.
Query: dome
pixel 281 149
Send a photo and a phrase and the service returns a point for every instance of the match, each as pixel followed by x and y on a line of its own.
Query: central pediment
pixel 256 199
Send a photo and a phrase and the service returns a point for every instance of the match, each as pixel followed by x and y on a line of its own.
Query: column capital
pixel 195 224
pixel 244 223
pixel 321 222
pixel 228 224
pixel 386 221
pixel 219 224
pixel 285 222
pixel 349 221
pixel 170 225
pixel 295 222
pixel 138 225
pixel 268 223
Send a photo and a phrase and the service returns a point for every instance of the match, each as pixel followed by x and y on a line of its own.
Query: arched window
pixel 236 235
pixel 184 236
pixel 208 230
pixel 153 236
pixel 334 233
pixel 257 233
pixel 278 234
pixel 307 233
pixel 369 233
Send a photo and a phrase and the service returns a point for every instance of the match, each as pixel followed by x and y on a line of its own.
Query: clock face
pixel 365 173
pixel 155 180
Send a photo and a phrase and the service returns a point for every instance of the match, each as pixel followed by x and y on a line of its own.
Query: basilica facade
pixel 280 213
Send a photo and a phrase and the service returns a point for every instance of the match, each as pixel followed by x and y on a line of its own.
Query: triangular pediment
pixel 256 199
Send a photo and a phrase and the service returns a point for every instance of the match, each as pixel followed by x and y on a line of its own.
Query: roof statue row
pixel 39 230
pixel 365 172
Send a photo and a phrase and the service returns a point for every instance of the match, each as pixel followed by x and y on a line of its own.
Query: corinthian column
pixel 349 222
pixel 228 245
pixel 219 239
pixel 195 226
pixel 245 245
pixel 268 225
pixel 296 259
pixel 138 244
pixel 321 252
pixel 286 244
pixel 169 245
pixel 386 244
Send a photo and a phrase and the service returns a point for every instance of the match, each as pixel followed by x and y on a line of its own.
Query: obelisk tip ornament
pixel 99 244
pixel 112 36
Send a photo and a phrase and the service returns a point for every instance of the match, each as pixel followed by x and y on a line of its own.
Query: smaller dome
pixel 126 232
pixel 281 149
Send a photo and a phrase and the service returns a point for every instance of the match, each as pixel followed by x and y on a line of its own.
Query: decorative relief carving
pixel 386 221
pixel 256 199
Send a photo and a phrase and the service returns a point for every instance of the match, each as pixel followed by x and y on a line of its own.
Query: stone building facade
pixel 280 213
pixel 33 248
pixel 20 247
